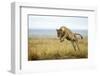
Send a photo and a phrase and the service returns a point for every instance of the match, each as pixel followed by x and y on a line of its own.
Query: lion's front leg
pixel 62 38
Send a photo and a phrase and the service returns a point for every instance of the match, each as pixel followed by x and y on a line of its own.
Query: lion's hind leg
pixel 73 45
pixel 77 45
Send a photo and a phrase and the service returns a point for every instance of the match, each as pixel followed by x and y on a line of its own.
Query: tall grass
pixel 52 48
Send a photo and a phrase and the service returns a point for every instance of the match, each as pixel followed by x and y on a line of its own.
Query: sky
pixel 54 22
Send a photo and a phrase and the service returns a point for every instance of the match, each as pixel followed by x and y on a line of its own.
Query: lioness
pixel 65 33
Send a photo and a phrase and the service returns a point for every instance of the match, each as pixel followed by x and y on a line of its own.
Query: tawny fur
pixel 65 33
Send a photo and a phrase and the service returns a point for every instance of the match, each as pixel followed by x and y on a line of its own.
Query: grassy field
pixel 52 48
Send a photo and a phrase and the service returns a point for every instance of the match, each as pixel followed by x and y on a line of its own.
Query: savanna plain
pixel 52 48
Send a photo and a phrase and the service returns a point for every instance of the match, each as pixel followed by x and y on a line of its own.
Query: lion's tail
pixel 79 35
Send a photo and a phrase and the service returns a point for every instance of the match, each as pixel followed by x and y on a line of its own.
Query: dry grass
pixel 52 48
